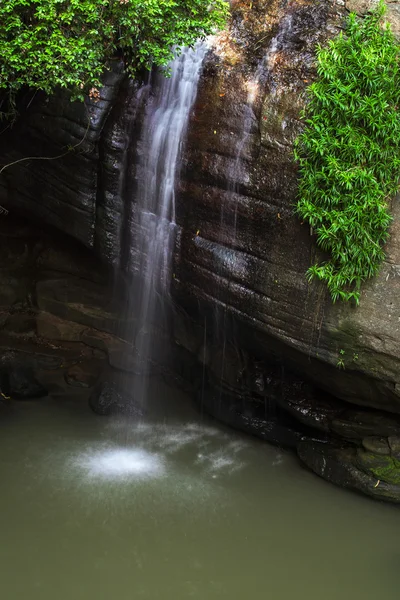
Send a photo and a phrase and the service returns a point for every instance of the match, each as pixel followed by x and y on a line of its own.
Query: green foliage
pixel 46 44
pixel 349 152
pixel 340 361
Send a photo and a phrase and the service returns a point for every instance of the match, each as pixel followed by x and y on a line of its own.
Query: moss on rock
pixel 384 468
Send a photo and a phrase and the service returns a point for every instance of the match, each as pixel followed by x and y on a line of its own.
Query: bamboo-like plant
pixel 349 152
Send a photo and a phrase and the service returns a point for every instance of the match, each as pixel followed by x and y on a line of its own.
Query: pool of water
pixel 174 508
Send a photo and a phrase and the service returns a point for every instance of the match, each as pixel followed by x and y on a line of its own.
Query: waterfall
pixel 163 135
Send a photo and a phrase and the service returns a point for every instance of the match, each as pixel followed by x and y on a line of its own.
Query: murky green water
pixel 175 509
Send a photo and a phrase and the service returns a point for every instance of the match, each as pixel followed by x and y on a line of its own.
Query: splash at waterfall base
pixel 273 370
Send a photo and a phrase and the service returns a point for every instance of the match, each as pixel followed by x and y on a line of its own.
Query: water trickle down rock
pixel 260 280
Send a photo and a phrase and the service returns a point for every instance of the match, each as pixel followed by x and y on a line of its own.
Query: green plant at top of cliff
pixel 349 152
pixel 45 44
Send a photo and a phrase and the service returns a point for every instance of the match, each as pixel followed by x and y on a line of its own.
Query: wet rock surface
pixel 249 416
pixel 348 467
pixel 356 448
pixel 113 397
pixel 60 333
pixel 61 336
pixel 83 375
pixel 106 399
pixel 75 161
pixel 18 381
pixel 236 254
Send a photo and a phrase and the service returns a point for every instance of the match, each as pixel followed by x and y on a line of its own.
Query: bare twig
pixel 70 148
pixel 4 211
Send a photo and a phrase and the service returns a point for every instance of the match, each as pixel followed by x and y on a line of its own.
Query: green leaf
pixel 349 152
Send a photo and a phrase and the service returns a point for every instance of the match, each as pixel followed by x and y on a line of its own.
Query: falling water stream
pixel 163 136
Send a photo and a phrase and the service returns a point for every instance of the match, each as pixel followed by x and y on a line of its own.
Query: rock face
pixel 79 185
pixel 248 326
pixel 370 472
pixel 242 249
pixel 61 320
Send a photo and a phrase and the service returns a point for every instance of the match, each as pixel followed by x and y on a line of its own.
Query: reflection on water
pixel 177 508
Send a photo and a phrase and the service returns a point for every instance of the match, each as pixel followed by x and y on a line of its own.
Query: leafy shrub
pixel 67 43
pixel 349 152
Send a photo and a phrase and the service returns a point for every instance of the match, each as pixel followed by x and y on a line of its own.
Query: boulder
pixel 22 384
pixel 50 327
pixel 361 6
pixel 343 466
pixel 248 415
pixel 83 302
pixel 83 375
pixel 18 373
pixel 20 323
pixel 111 397
pixel 357 424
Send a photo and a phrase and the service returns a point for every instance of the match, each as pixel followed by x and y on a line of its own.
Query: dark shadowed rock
pixel 249 416
pixel 357 424
pixel 106 399
pixel 52 327
pixel 112 397
pixel 310 406
pixel 84 374
pixel 21 383
pixel 394 445
pixel 342 466
pixel 20 323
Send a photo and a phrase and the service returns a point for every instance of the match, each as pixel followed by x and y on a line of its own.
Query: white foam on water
pixel 169 438
pixel 156 451
pixel 279 459
pixel 121 463
pixel 220 462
